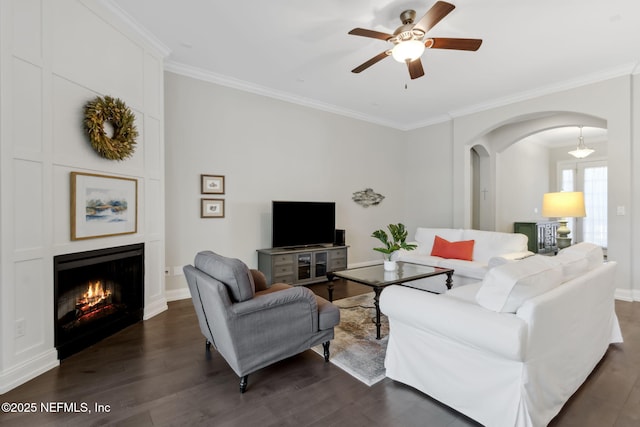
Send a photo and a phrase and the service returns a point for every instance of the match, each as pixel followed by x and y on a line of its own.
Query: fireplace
pixel 97 293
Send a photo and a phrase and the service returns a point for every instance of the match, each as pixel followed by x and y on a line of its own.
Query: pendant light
pixel 581 150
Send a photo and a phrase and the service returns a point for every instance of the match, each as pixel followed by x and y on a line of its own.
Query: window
pixel 594 225
pixel 589 177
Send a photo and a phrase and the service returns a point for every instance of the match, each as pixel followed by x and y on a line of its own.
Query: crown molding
pixel 136 27
pixel 442 118
pixel 201 74
pixel 624 70
pixel 208 76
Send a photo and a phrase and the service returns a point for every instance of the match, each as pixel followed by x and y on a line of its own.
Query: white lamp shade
pixel 407 50
pixel 581 153
pixel 564 204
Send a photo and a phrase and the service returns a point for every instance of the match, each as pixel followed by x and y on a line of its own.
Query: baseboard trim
pixel 627 294
pixel 28 370
pixel 177 294
pixel 155 308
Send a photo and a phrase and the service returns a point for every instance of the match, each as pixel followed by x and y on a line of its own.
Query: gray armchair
pixel 252 325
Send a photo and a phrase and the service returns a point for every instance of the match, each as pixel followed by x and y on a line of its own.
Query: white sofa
pixel 491 248
pixel 510 350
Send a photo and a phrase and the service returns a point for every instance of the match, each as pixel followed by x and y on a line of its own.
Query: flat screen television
pixel 297 224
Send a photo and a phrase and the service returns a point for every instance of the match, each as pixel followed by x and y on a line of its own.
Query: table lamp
pixel 563 205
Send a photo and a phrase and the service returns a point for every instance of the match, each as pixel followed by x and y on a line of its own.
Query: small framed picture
pixel 212 208
pixel 212 184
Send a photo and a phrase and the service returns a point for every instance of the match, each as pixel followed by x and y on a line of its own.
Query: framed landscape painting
pixel 103 205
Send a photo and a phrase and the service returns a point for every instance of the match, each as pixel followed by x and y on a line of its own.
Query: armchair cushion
pixel 273 288
pixel 328 314
pixel 232 272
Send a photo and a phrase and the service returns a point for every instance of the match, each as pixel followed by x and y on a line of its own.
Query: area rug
pixel 355 348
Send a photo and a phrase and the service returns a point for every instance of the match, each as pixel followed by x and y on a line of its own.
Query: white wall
pixel 269 150
pixel 634 207
pixel 522 177
pixel 55 57
pixel 266 149
pixel 428 167
pixel 609 101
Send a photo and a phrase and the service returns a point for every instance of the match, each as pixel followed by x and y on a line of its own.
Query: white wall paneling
pixel 27 29
pixel 154 165
pixel 33 307
pixel 29 211
pixel 27 108
pixel 55 58
pixel 87 49
pixel 154 298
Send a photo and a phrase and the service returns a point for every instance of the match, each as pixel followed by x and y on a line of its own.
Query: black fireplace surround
pixel 97 293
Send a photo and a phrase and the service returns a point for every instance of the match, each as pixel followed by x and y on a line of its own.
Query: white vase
pixel 390 265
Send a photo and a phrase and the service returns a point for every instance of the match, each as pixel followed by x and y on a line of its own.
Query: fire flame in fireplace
pixel 95 295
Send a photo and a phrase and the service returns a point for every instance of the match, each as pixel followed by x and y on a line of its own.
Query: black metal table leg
pixel 376 302
pixel 449 281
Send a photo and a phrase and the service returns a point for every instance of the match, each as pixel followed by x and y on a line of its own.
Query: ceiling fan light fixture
pixel 581 150
pixel 408 50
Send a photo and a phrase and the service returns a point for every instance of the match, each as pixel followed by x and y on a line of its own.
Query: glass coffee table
pixel 376 277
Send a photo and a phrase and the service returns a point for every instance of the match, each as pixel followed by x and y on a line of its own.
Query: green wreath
pixel 112 110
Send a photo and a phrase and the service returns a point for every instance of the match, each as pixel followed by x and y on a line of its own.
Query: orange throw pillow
pixel 456 250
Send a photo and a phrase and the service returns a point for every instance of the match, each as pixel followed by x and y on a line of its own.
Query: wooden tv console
pixel 301 265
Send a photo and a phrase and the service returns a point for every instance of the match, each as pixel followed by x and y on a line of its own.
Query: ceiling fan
pixel 409 42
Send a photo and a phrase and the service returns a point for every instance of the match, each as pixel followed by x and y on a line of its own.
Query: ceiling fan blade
pixel 370 33
pixel 453 43
pixel 434 15
pixel 415 68
pixel 369 63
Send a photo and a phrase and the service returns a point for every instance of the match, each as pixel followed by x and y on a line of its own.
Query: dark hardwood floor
pixel 156 373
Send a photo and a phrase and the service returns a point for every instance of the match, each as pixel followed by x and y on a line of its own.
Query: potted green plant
pixel 397 241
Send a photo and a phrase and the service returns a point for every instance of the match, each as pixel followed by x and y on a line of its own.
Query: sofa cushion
pixel 473 269
pixel 573 265
pixel 470 269
pixel 415 257
pixel 457 250
pixel 578 259
pixel 592 252
pixel 495 261
pixel 465 293
pixel 425 236
pixel 493 243
pixel 506 287
pixel 233 273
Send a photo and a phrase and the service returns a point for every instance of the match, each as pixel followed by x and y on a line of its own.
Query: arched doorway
pixel 507 187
